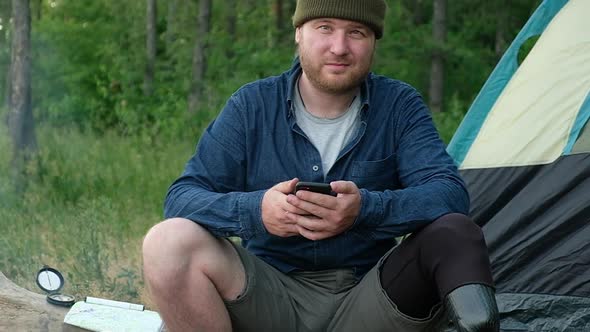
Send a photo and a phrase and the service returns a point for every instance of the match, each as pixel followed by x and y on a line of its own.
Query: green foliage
pixel 526 47
pixel 448 122
pixel 107 152
pixel 89 57
pixel 5 154
pixel 89 203
pixel 82 65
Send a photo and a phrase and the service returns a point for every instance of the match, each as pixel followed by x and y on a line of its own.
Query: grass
pixel 88 203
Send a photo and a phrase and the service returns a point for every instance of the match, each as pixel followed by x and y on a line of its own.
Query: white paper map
pixel 97 317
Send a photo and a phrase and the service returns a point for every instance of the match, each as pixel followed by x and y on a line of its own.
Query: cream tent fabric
pixel 531 121
pixel 533 113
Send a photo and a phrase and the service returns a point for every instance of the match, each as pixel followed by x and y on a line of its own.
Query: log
pixel 23 310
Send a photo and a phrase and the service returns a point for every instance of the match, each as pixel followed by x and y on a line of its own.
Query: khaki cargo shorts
pixel 330 300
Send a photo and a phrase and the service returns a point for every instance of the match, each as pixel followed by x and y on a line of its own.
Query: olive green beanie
pixel 369 12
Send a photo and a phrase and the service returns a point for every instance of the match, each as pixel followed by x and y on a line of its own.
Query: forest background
pixel 116 94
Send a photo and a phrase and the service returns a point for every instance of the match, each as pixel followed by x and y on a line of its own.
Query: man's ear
pixel 297 34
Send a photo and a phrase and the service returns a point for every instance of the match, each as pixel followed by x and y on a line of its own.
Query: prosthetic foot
pixel 473 308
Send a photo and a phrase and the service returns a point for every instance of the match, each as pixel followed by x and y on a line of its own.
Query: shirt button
pixel 315 168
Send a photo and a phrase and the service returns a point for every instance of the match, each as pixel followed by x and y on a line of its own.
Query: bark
pixel 23 310
pixel 171 19
pixel 148 87
pixel 200 56
pixel 38 9
pixel 501 25
pixel 7 90
pixel 437 69
pixel 20 118
pixel 415 7
pixel 5 13
pixel 418 17
pixel 231 22
pixel 279 20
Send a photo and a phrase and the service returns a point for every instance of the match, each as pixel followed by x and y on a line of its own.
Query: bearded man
pixel 312 261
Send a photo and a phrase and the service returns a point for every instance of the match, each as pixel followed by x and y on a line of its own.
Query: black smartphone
pixel 316 187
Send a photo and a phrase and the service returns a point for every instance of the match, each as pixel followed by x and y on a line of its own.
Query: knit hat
pixel 369 12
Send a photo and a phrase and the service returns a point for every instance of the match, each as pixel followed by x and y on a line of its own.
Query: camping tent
pixel 524 151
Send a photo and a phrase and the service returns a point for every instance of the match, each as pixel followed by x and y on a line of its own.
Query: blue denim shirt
pixel 397 159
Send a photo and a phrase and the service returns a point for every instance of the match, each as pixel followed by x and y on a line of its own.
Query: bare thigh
pixel 180 247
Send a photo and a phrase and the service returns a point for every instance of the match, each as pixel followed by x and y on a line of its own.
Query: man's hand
pixel 330 215
pixel 275 209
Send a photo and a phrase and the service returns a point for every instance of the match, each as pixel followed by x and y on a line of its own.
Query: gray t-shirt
pixel 329 136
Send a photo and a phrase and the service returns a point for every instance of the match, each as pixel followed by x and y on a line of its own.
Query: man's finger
pixel 344 187
pixel 309 222
pixel 286 187
pixel 314 203
pixel 311 235
pixel 295 210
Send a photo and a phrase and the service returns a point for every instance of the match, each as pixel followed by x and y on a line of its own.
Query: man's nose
pixel 339 44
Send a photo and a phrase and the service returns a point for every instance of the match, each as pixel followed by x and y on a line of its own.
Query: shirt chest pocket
pixel 376 174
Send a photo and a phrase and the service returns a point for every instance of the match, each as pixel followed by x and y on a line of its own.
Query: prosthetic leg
pixel 445 262
pixel 473 308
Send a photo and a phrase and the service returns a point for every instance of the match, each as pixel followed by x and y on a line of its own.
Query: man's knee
pixel 173 236
pixel 452 227
pixel 178 254
pixel 454 239
pixel 170 245
pixel 456 252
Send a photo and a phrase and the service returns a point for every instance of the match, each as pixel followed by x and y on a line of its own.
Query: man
pixel 315 262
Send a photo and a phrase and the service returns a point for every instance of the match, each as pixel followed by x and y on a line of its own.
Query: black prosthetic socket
pixel 402 278
pixel 441 257
pixel 473 308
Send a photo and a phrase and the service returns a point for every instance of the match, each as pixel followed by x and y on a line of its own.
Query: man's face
pixel 336 55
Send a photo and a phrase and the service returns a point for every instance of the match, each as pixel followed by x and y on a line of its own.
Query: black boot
pixel 473 308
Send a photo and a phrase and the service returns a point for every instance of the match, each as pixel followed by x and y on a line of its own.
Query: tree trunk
pixel 171 24
pixel 148 83
pixel 200 56
pixel 501 25
pixel 436 90
pixel 37 9
pixel 7 87
pixel 231 21
pixel 418 18
pixel 22 310
pixel 5 13
pixel 416 8
pixel 20 118
pixel 279 21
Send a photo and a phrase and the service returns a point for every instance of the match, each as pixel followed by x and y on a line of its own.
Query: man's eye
pixel 357 34
pixel 324 28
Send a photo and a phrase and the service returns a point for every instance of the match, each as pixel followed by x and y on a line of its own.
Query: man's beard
pixel 337 84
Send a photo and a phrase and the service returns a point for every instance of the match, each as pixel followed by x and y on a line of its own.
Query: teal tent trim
pixel 581 120
pixel 478 112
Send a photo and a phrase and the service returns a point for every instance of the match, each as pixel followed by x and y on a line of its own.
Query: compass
pixel 51 281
